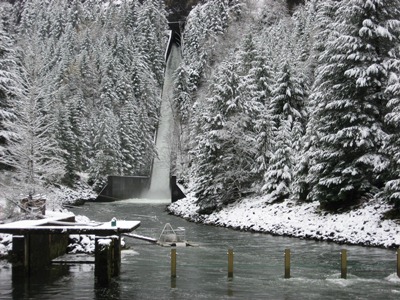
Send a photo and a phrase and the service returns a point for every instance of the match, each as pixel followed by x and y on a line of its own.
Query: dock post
pixel 230 263
pixel 343 264
pixel 116 255
pixel 18 250
pixel 287 263
pixel 27 250
pixel 173 263
pixel 398 263
pixel 103 267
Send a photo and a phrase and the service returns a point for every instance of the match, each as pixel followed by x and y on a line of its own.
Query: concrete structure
pixel 124 187
pixel 128 187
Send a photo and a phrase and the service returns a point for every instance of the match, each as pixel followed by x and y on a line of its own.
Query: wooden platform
pixel 37 242
pixel 55 225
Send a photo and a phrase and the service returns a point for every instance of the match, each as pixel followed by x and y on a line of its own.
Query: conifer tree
pixel 107 152
pixel 392 120
pixel 11 86
pixel 67 141
pixel 255 86
pixel 225 151
pixel 348 165
pixel 182 95
pixel 33 153
pixel 287 101
pixel 287 109
pixel 151 24
pixel 279 174
pixel 129 138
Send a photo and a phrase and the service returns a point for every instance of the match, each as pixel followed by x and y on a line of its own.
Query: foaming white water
pixel 144 201
pixel 393 278
pixel 160 177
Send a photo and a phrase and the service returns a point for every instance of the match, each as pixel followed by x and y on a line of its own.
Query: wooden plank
pixel 140 237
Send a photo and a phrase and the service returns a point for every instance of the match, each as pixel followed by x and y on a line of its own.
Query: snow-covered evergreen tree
pixel 287 109
pixel 11 86
pixel 130 140
pixel 255 87
pixel 279 174
pixel 33 153
pixel 225 152
pixel 152 23
pixel 107 152
pixel 182 95
pixel 206 23
pixel 348 164
pixel 392 119
pixel 287 101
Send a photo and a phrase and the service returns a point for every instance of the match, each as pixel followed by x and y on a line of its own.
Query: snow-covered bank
pixel 362 226
pixel 57 199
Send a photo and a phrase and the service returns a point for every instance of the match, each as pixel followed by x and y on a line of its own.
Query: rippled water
pixel 202 271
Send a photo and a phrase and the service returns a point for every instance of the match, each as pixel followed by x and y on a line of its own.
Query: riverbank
pixel 362 226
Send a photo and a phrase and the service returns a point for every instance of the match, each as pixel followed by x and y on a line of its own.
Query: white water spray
pixel 160 177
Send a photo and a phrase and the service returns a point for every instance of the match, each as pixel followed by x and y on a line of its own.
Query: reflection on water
pixel 202 271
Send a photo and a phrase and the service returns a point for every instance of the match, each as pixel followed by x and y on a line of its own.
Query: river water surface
pixel 202 270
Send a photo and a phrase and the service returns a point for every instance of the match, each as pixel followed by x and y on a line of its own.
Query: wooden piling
pixel 287 263
pixel 230 263
pixel 18 249
pixel 116 255
pixel 103 269
pixel 173 263
pixel 343 264
pixel 27 249
pixel 398 263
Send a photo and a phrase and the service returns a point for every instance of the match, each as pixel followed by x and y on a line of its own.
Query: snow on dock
pixel 68 225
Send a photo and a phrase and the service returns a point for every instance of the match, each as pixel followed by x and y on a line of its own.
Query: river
pixel 202 270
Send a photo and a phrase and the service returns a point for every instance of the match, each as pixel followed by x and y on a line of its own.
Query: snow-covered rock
pixel 5 244
pixel 80 243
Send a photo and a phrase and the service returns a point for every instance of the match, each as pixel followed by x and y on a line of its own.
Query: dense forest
pixel 295 102
pixel 80 90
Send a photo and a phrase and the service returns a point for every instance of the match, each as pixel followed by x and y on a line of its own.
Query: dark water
pixel 202 271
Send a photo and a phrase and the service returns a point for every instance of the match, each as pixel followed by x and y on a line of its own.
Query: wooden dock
pixel 57 226
pixel 37 242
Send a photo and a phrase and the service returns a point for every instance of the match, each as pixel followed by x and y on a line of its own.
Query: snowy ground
pixel 57 199
pixel 363 226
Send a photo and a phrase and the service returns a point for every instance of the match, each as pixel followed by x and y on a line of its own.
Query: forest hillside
pixel 299 105
pixel 288 102
pixel 80 86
